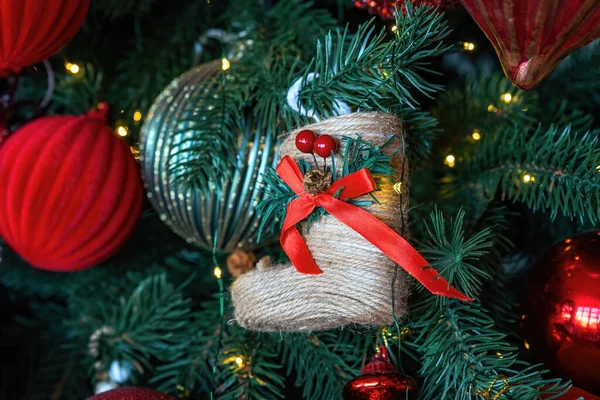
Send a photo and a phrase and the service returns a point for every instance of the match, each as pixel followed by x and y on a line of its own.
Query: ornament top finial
pixel 379 363
pixel 100 111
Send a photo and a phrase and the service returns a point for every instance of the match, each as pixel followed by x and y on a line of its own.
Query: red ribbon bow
pixel 368 226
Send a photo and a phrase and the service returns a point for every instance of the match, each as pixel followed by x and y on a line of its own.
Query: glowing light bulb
pixel 598 168
pixel 492 108
pixel 394 28
pixel 527 178
pixel 450 160
pixel 476 135
pixel 217 271
pixel 72 68
pixel 137 116
pixel 468 46
pixel 527 345
pixel 506 97
pixel 122 130
pixel 239 361
pixel 225 64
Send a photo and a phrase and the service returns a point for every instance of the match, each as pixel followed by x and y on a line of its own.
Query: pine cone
pixel 240 262
pixel 316 181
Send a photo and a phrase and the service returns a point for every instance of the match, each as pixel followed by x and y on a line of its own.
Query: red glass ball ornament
pixel 324 145
pixel 531 37
pixel 561 310
pixel 380 381
pixel 70 191
pixel 305 141
pixel 131 393
pixel 33 30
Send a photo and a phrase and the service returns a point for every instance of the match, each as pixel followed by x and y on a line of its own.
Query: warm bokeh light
pixel 506 97
pixel 476 135
pixel 239 361
pixel 218 273
pixel 122 130
pixel 468 46
pixel 450 160
pixel 72 68
pixel 492 108
pixel 226 64
pixel 137 116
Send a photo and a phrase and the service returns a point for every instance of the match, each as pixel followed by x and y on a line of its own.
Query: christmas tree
pixel 252 199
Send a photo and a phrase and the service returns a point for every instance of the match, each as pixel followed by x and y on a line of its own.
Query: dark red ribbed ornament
pixel 532 36
pixel 70 191
pixel 33 30
pixel 380 381
pixel 561 311
pixel 132 393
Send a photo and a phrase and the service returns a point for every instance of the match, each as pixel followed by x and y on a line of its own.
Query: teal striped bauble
pixel 223 211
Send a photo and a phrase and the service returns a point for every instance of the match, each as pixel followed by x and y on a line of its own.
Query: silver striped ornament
pixel 198 214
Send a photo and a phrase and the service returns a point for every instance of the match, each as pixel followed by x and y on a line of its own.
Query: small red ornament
pixel 70 191
pixel 131 393
pixel 386 9
pixel 561 310
pixel 33 30
pixel 380 381
pixel 324 145
pixel 532 36
pixel 305 141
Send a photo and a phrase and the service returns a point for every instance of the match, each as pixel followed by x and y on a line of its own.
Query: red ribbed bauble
pixel 380 381
pixel 561 311
pixel 33 30
pixel 532 36
pixel 131 393
pixel 70 192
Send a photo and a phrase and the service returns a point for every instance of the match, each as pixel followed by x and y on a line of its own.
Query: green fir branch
pixel 464 356
pixel 145 326
pixel 204 148
pixel 478 104
pixel 455 255
pixel 259 374
pixel 365 70
pixel 323 363
pixel 561 164
pixel 190 365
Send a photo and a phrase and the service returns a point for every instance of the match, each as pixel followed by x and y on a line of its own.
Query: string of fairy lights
pixel 506 98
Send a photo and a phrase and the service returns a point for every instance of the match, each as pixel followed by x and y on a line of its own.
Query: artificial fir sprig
pixel 554 170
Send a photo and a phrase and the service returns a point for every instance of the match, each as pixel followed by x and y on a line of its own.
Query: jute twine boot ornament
pixel 343 261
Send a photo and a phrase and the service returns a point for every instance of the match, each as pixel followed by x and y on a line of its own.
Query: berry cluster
pixel 308 142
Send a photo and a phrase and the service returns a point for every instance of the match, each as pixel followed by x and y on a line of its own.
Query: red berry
pixel 324 145
pixel 305 141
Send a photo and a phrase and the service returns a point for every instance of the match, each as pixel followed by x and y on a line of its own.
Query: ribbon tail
pixel 292 241
pixel 392 244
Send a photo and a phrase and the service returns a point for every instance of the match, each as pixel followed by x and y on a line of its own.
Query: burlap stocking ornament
pixel 356 284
